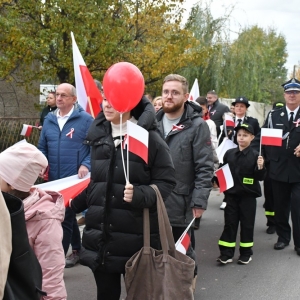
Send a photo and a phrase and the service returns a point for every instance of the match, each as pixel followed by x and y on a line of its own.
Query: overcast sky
pixel 282 15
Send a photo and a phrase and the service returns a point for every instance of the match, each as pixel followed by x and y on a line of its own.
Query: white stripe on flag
pixel 225 178
pixel 271 136
pixel 195 92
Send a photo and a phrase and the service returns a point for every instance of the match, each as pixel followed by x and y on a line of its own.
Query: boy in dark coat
pixel 247 169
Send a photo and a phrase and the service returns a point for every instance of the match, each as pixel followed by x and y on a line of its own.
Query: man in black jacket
pixel 216 109
pixel 285 166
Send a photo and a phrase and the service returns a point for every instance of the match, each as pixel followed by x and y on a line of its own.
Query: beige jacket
pixel 5 249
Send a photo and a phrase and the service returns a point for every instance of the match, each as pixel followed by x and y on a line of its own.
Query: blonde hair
pixel 156 99
pixel 177 77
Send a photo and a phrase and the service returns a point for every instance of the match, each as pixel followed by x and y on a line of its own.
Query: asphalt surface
pixel 271 275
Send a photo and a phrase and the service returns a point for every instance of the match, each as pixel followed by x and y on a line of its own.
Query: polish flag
pixel 69 187
pixel 184 241
pixel 137 140
pixel 225 178
pixel 26 130
pixel 88 95
pixel 271 137
pixel 229 121
pixel 194 93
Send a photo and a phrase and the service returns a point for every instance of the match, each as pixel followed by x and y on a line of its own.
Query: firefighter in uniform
pixel 285 166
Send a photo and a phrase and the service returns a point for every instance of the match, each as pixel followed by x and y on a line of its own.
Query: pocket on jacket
pixel 182 189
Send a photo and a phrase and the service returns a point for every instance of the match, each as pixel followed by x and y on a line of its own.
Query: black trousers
pixel 269 200
pixel 108 285
pixel 239 210
pixel 286 201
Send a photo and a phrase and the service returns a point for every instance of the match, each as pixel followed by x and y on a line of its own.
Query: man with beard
pixel 188 136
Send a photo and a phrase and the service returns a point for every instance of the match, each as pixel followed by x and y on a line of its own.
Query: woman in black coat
pixel 114 220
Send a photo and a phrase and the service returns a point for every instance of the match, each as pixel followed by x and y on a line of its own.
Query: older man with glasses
pixel 61 141
pixel 285 166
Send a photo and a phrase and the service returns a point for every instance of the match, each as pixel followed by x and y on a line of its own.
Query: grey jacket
pixel 192 156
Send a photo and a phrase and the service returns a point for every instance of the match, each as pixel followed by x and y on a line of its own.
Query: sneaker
pixel 244 260
pixel 72 259
pixel 271 230
pixel 223 259
pixel 81 221
pixel 223 205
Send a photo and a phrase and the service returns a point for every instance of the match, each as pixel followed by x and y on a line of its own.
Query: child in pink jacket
pixel 20 166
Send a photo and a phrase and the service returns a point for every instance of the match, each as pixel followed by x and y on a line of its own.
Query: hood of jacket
pixel 41 205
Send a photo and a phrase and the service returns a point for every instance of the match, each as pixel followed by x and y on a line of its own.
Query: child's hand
pixel 260 162
pixel 128 192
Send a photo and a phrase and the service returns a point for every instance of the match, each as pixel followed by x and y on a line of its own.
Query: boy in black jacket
pixel 247 169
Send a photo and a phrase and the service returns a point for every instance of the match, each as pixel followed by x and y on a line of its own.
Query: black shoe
pixel 297 249
pixel 280 245
pixel 223 259
pixel 271 230
pixel 244 260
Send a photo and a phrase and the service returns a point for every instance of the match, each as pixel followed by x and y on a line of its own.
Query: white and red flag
pixel 88 95
pixel 228 121
pixel 137 140
pixel 184 241
pixel 195 92
pixel 225 178
pixel 26 130
pixel 223 147
pixel 69 187
pixel 271 137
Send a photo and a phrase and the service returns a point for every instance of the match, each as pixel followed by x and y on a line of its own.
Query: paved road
pixel 271 275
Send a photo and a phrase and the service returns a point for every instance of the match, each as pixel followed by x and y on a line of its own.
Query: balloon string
pixel 122 154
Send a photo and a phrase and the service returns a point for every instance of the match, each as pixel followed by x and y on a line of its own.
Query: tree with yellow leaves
pixel 146 33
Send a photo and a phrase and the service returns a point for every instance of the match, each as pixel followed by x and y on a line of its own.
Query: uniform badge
pixel 282 114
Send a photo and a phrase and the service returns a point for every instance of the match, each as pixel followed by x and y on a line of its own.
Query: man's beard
pixel 172 109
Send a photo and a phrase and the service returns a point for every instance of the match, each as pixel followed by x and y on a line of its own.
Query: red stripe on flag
pixel 28 131
pixel 186 241
pixel 222 180
pixel 271 141
pixel 74 190
pixel 138 148
pixel 93 93
pixel 229 123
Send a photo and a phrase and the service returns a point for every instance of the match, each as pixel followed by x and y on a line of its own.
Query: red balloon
pixel 123 85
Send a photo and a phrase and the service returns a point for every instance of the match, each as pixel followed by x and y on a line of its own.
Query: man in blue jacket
pixel 61 141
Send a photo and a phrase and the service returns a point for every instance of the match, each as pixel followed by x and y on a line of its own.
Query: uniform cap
pixel 241 100
pixel 246 127
pixel 291 85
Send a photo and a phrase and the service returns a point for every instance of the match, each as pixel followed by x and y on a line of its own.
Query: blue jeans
pixel 71 233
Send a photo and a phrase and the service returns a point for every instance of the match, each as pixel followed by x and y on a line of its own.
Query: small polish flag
pixel 184 241
pixel 271 136
pixel 194 93
pixel 184 244
pixel 88 95
pixel 225 178
pixel 137 140
pixel 229 121
pixel 26 130
pixel 69 187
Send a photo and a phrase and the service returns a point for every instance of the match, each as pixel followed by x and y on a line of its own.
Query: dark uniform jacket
pixel 245 173
pixel 284 165
pixel 216 113
pixel 114 228
pixel 246 120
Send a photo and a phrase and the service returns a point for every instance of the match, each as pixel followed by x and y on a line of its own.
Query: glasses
pixel 292 92
pixel 63 96
pixel 173 93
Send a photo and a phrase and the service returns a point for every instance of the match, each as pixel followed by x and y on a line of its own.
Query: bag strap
pixel 165 232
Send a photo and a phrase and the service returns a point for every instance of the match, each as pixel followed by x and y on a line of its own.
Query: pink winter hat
pixel 21 164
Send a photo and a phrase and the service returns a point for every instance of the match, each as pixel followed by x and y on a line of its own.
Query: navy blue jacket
pixel 65 154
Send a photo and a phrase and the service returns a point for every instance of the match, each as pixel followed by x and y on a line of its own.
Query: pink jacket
pixel 44 212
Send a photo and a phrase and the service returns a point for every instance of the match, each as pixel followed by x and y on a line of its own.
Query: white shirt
pixel 289 112
pixel 62 120
pixel 236 120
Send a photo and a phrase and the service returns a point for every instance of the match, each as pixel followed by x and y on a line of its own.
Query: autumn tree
pixel 146 33
pixel 252 65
